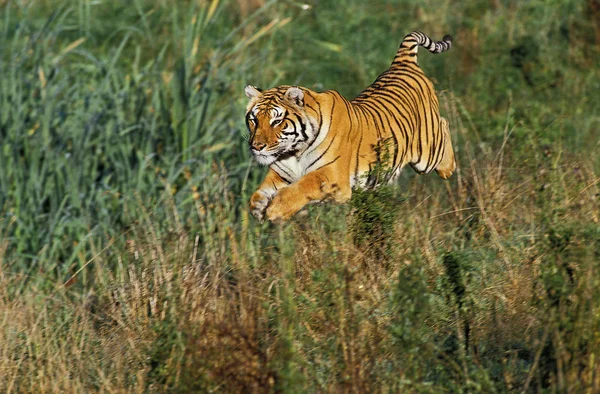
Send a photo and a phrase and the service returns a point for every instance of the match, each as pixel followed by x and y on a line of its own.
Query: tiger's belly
pixel 364 179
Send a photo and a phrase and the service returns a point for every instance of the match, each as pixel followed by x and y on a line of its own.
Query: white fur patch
pixel 289 168
pixel 420 166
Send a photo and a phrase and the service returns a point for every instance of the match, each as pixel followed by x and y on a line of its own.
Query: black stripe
pixel 416 113
pixel 378 111
pixel 302 127
pixel 349 111
pixel 402 126
pixel 404 108
pixel 331 162
pixel 290 132
pixel 388 78
pixel 373 111
pixel 406 89
pixel 311 108
pixel 391 128
pixel 322 154
pixel 402 121
pixel 320 125
pixel 406 99
pixel 441 146
pixel 396 115
pixel 285 180
pixel 399 74
pixel 357 157
pixel 320 113
pixel 278 166
pixel 248 121
pixel 433 143
pixel 438 147
pixel 421 97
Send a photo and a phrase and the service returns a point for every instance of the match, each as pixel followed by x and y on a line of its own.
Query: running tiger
pixel 319 146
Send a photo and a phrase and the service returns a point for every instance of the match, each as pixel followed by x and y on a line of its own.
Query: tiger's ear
pixel 295 95
pixel 252 91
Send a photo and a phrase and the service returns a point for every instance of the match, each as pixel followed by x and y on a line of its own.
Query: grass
pixel 128 259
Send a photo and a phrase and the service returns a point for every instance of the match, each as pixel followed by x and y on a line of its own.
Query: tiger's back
pixel 404 114
pixel 320 145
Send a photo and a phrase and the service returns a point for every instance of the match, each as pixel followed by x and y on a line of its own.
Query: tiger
pixel 319 146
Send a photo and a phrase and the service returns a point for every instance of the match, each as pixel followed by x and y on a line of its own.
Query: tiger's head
pixel 278 122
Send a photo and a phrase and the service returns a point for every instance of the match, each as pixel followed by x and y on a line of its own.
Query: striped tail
pixel 408 49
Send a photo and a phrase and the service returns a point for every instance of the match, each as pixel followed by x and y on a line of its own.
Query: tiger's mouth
pixel 266 157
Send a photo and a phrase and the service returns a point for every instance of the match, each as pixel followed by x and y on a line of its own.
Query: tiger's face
pixel 278 123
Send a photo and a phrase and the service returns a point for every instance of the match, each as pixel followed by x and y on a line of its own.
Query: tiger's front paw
pixel 258 204
pixel 278 211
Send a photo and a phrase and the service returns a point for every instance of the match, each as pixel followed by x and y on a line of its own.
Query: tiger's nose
pixel 258 145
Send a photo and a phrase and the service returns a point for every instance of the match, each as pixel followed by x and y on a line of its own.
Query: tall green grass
pixel 128 261
pixel 98 118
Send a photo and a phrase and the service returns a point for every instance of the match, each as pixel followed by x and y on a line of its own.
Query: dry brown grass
pixel 317 311
pixel 485 283
pixel 240 308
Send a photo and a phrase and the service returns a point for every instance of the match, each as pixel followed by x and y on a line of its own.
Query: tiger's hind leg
pixel 448 164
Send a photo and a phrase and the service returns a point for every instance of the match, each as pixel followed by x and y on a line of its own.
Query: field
pixel 128 258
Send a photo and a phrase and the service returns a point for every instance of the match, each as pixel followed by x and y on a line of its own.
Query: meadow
pixel 128 258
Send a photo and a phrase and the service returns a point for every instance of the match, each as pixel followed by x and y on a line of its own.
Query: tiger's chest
pixel 289 169
pixel 293 168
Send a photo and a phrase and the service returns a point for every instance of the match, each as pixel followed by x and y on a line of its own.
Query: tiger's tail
pixel 408 49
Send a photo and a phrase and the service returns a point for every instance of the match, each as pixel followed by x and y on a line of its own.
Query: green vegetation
pixel 129 263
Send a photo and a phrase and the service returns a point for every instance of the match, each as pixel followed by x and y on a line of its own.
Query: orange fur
pixel 319 145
